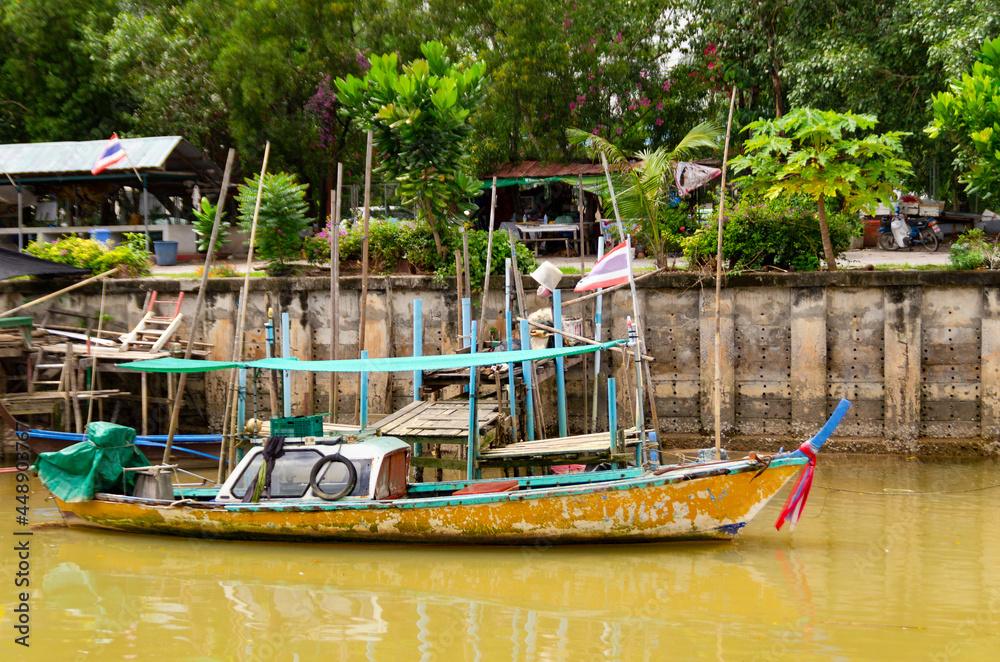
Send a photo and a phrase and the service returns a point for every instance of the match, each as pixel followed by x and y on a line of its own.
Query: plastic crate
pixel 298 426
pixel 931 209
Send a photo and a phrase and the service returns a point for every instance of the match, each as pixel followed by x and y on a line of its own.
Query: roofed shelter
pixel 535 195
pixel 51 187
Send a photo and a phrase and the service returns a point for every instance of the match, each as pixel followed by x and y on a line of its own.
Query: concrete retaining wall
pixel 918 353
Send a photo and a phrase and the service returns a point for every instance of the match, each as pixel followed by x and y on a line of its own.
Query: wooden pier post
pixel 560 363
pixel 472 468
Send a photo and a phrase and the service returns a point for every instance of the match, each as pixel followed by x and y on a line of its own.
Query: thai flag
pixel 612 269
pixel 112 153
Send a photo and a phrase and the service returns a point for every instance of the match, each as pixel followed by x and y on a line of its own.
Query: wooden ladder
pixel 154 331
pixel 67 385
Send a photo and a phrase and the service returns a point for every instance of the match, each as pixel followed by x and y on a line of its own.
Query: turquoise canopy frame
pixel 393 364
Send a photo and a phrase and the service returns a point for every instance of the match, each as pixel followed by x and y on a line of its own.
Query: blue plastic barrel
pixel 102 235
pixel 166 252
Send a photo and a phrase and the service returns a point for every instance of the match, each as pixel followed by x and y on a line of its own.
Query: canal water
pixel 895 559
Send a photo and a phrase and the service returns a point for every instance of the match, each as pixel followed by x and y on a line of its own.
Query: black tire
pixel 886 241
pixel 929 240
pixel 352 477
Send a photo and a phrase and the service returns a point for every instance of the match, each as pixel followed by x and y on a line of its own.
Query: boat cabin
pixel 330 469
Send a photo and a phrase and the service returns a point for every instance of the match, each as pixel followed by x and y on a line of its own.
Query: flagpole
pixel 717 390
pixel 132 165
pixel 638 344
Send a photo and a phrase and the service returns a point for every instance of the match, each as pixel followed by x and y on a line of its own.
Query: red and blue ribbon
pixel 800 494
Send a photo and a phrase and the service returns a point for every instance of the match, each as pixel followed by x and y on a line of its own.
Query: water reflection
pixel 884 575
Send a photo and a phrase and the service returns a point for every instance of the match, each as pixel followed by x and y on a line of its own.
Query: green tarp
pixel 395 364
pixel 95 465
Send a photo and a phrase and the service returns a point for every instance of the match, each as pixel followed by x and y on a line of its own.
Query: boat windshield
pixel 290 477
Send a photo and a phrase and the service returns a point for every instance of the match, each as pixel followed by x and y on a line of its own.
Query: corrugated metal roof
pixel 79 157
pixel 541 169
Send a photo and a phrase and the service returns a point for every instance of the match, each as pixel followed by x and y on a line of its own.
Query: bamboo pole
pixel 489 258
pixel 229 412
pixel 93 369
pixel 526 338
pixel 198 306
pixel 335 203
pixel 465 264
pixel 58 293
pixel 458 282
pixel 364 258
pixel 640 339
pixel 717 390
pixel 579 208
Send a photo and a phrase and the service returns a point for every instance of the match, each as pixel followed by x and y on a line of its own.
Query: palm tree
pixel 643 188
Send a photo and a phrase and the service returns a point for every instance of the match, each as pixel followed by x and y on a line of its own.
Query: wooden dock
pixel 441 422
pixel 580 449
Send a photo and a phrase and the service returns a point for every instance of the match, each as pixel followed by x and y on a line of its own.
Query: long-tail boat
pixel 354 488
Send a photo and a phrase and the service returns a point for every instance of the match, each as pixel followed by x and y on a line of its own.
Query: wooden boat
pixel 711 500
pixel 354 488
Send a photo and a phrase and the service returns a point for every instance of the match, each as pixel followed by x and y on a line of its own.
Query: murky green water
pixel 889 575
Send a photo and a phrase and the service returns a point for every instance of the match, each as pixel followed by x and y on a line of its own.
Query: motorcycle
pixel 897 232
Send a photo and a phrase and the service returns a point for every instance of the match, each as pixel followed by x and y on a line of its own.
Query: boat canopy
pixel 393 364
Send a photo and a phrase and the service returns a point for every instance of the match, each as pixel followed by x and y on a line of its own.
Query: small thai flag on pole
pixel 112 153
pixel 610 270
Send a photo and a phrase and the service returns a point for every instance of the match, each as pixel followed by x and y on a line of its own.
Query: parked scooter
pixel 897 232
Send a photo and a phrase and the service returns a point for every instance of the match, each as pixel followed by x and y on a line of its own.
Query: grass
pixel 910 267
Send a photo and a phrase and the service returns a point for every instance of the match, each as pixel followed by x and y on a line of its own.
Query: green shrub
pixel 280 221
pixel 478 241
pixel 783 233
pixel 971 251
pixel 676 224
pixel 131 255
pixel 391 241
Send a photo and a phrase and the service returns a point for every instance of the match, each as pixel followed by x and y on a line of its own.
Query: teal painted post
pixel 418 376
pixel 286 375
pixel 364 394
pixel 526 375
pixel 241 398
pixel 613 415
pixel 560 363
pixel 418 345
pixel 511 390
pixel 466 317
pixel 473 422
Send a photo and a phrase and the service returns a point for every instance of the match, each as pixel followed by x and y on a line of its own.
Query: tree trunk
pixel 824 230
pixel 434 231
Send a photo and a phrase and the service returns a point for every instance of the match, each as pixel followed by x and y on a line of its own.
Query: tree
pixel 815 153
pixel 48 88
pixel 281 218
pixel 421 124
pixel 969 113
pixel 643 189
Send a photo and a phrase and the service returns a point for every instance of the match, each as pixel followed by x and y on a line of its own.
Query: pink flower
pixel 666 86
pixel 618 37
pixel 572 105
pixel 659 122
pixel 644 102
pixel 659 105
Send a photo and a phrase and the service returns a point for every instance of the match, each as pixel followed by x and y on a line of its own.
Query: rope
pixel 93 368
pixel 887 492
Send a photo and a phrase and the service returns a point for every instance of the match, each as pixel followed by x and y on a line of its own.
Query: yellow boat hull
pixel 713 502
